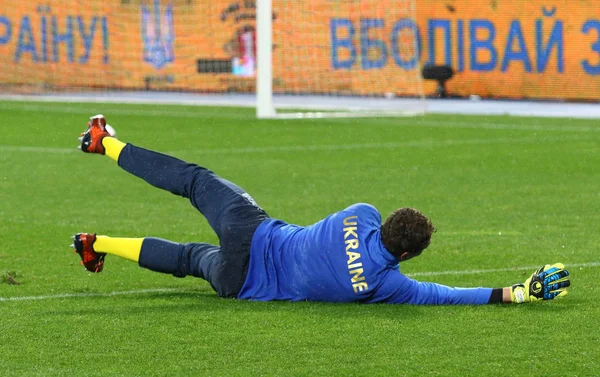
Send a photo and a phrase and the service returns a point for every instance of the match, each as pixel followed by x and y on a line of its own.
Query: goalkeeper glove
pixel 547 283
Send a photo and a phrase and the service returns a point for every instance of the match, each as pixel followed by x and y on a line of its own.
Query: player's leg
pixel 212 195
pixel 201 260
pixel 216 198
pixel 230 211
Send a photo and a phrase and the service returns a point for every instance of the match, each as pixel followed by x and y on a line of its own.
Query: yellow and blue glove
pixel 547 283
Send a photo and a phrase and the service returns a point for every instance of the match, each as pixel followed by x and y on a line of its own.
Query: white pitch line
pixel 30 149
pixel 71 295
pixel 168 290
pixel 493 126
pixel 469 272
pixel 408 144
pixel 150 112
pixel 328 147
pixel 178 113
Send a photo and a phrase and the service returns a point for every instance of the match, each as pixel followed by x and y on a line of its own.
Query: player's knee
pixel 183 266
pixel 226 232
pixel 195 177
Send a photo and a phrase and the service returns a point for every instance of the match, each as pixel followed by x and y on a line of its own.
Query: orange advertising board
pixel 526 49
pixel 115 44
pixel 534 49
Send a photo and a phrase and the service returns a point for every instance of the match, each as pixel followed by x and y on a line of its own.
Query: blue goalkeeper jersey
pixel 338 259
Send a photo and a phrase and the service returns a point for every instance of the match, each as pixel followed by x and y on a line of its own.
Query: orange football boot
pixel 84 246
pixel 91 139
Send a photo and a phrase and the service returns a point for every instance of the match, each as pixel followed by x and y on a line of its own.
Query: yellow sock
pixel 112 147
pixel 128 248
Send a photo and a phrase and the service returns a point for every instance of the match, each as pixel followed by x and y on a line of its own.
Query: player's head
pixel 406 233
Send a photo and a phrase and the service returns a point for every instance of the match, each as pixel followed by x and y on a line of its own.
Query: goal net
pixel 318 57
pixel 350 58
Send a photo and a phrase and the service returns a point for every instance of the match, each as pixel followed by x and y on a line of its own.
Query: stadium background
pixel 538 49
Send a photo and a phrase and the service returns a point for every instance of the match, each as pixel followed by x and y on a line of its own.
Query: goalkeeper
pixel 348 256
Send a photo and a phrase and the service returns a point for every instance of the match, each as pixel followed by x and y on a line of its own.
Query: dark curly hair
pixel 406 233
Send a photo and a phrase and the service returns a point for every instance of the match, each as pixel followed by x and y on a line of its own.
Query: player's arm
pixel 548 282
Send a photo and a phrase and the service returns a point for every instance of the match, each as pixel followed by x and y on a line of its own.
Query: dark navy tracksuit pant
pixel 230 211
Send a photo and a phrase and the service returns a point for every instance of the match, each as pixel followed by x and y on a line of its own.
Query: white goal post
pixel 264 52
pixel 337 59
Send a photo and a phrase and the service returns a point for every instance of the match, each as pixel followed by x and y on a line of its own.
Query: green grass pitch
pixel 505 194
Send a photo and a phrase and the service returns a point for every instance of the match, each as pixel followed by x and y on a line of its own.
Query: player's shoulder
pixel 363 209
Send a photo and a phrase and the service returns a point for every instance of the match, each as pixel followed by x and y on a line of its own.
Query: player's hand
pixel 547 283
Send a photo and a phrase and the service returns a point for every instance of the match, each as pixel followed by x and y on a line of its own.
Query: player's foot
pixel 83 243
pixel 91 139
